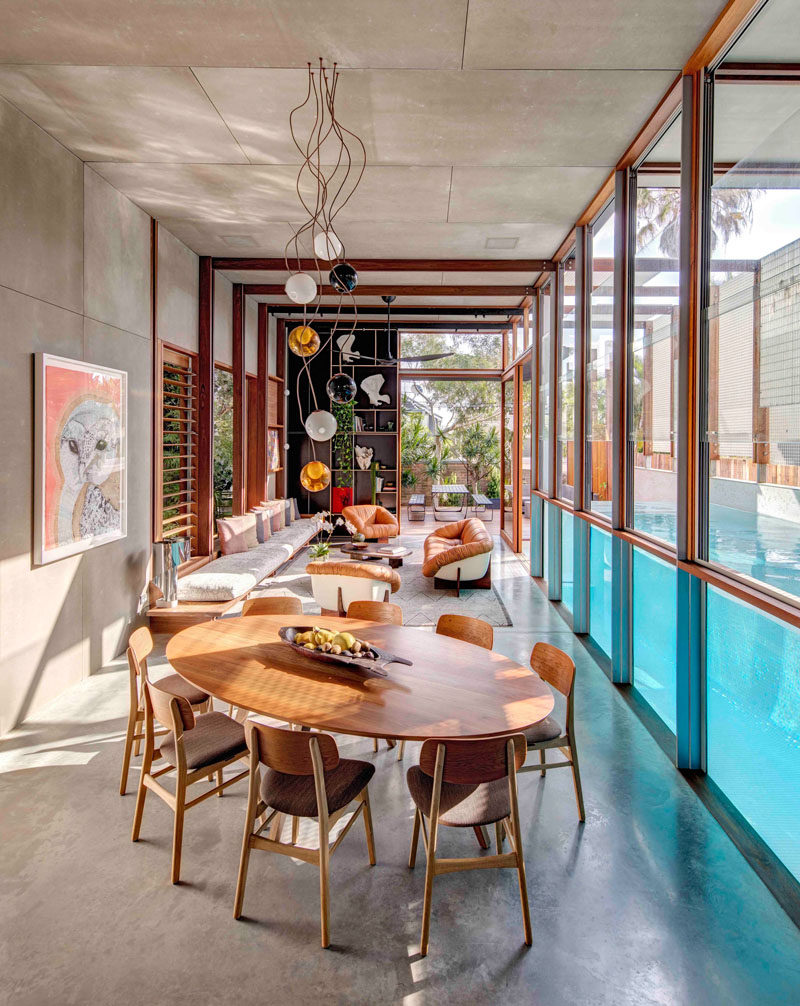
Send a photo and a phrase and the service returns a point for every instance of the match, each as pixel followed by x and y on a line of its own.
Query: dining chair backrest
pixel 273 606
pixel 471 630
pixel 289 751
pixel 140 646
pixel 172 711
pixel 473 761
pixel 555 667
pixel 376 611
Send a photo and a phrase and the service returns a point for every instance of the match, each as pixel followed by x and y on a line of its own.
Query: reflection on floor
pixel 648 902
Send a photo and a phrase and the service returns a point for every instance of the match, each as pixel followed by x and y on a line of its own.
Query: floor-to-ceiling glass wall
pixel 565 389
pixel 599 365
pixel 653 349
pixel 751 448
pixel 526 460
pixel 510 473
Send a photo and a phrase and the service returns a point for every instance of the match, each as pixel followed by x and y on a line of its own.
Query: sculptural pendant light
pixel 315 476
pixel 321 425
pixel 303 341
pixel 342 389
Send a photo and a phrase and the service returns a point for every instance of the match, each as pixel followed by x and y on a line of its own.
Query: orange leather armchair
pixel 372 521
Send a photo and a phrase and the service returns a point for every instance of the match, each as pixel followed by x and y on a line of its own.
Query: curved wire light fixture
pixel 333 163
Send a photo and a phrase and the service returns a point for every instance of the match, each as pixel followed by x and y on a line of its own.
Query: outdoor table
pixel 442 489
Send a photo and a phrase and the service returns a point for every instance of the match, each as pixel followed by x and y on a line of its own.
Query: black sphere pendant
pixel 343 277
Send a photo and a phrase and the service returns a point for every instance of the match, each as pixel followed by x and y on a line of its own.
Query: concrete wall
pixel 75 281
pixel 178 279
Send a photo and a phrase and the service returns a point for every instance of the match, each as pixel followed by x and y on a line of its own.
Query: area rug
pixel 421 603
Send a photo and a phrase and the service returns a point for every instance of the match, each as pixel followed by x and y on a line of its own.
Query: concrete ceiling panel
pixel 547 195
pixel 602 34
pixel 411 33
pixel 443 117
pixel 111 113
pixel 251 195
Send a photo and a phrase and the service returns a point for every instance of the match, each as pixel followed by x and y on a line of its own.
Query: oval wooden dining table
pixel 453 689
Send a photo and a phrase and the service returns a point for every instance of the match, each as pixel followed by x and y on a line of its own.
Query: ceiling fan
pixel 388 299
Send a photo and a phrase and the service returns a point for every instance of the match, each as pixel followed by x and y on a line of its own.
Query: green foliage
pixel 416 441
pixel 493 484
pixel 223 441
pixel 658 216
pixel 478 447
pixel 343 443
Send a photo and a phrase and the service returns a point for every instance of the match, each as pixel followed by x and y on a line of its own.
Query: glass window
pixel 178 438
pixel 754 693
pixel 600 588
pixel 753 335
pixel 566 389
pixel 599 370
pixel 567 556
pixel 223 442
pixel 526 432
pixel 655 617
pixel 452 350
pixel 507 514
pixel 652 420
pixel 545 349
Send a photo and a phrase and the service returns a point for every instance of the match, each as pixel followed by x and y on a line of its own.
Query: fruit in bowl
pixel 337 643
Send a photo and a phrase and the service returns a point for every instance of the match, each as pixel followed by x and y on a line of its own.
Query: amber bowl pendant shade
pixel 315 476
pixel 303 341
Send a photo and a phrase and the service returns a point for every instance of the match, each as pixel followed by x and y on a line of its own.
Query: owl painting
pixel 81 465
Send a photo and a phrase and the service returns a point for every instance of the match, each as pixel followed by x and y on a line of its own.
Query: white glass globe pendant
pixel 327 246
pixel 301 288
pixel 321 425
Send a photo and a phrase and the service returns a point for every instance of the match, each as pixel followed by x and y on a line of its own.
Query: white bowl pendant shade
pixel 321 425
pixel 327 246
pixel 301 288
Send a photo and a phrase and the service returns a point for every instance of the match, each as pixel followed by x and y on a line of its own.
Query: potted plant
pixel 321 549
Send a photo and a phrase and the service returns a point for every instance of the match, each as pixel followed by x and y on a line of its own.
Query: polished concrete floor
pixel 648 902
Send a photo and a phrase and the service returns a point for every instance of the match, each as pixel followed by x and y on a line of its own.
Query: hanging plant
pixel 343 443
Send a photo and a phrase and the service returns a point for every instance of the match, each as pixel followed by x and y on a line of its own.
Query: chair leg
pixel 542 760
pixel 576 778
pixel 295 829
pixel 401 750
pixel 375 744
pixel 480 834
pixel 499 836
pixel 177 831
pixel 412 856
pixel 370 834
pixel 426 907
pixel 219 780
pixel 126 755
pixel 244 863
pixel 139 811
pixel 324 886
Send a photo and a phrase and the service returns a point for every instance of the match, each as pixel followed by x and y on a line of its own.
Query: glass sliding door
pixel 599 366
pixel 510 473
pixel 525 370
pixel 543 398
pixel 565 466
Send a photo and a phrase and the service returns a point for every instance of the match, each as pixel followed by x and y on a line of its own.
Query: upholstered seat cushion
pixel 545 730
pixel 374 522
pixel 232 576
pixel 213 738
pixel 455 542
pixel 367 570
pixel 461 806
pixel 295 794
pixel 176 685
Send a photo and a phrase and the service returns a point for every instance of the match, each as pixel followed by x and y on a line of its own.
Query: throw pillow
pixel 237 534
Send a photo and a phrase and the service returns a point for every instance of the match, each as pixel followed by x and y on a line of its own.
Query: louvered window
pixel 179 447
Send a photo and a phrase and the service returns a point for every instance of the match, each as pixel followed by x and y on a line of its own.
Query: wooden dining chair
pixel 140 646
pixel 273 606
pixel 376 611
pixel 468 784
pixel 471 630
pixel 305 777
pixel 558 670
pixel 198 747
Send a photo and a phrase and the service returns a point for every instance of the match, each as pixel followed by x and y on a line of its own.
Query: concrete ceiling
pixel 482 119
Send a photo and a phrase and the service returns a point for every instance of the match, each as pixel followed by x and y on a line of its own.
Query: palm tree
pixel 658 215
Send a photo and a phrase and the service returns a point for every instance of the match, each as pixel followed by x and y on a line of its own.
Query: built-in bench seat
pixel 212 589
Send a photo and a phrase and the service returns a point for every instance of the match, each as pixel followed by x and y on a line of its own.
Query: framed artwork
pixel 80 477
pixel 273 451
